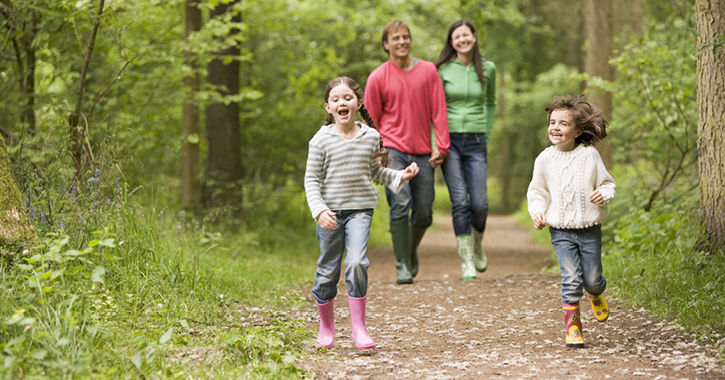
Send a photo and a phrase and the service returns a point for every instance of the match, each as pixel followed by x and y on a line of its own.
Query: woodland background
pixel 158 150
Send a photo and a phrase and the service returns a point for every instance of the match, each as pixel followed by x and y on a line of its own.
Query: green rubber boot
pixel 479 256
pixel 465 252
pixel 401 248
pixel 416 235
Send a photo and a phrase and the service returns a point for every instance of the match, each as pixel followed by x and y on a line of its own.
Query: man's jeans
pixel 416 197
pixel 465 170
pixel 579 252
pixel 352 234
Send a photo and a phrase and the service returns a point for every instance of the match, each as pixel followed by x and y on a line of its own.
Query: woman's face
pixel 462 40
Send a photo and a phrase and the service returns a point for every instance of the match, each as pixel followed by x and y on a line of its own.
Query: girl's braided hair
pixel 383 156
pixel 589 119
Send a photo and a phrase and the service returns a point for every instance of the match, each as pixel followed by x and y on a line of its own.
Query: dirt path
pixel 506 324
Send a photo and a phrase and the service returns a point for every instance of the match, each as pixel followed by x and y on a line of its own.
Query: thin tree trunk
pixel 598 25
pixel 76 130
pixel 223 135
pixel 710 16
pixel 190 185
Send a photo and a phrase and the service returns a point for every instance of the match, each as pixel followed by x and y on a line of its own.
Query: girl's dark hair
pixel 448 52
pixel 391 27
pixel 383 156
pixel 586 117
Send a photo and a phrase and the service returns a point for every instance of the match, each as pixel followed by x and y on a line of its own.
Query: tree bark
pixel 16 230
pixel 224 161
pixel 710 18
pixel 191 197
pixel 76 130
pixel 598 26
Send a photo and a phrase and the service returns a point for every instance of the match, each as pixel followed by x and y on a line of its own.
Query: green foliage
pixel 654 125
pixel 655 263
pixel 116 288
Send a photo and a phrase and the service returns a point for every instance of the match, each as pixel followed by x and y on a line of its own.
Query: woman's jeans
pixel 579 252
pixel 416 197
pixel 465 170
pixel 352 234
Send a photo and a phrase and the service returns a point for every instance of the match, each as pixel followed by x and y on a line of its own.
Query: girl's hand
pixel 327 220
pixel 410 172
pixel 596 197
pixel 539 220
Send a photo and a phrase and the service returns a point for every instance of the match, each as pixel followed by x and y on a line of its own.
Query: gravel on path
pixel 508 323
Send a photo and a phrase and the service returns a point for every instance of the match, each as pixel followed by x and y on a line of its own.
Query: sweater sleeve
pixel 491 99
pixel 439 113
pixel 313 177
pixel 604 181
pixel 538 195
pixel 388 177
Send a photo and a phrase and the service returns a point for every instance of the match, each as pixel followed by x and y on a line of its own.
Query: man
pixel 404 96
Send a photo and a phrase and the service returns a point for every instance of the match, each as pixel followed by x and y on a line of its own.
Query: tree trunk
pixel 191 197
pixel 77 131
pixel 224 162
pixel 16 230
pixel 598 26
pixel 710 15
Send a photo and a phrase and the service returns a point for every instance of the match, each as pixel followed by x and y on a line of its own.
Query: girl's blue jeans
pixel 465 171
pixel 579 252
pixel 415 199
pixel 351 235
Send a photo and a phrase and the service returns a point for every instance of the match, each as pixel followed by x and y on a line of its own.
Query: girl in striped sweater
pixel 344 158
pixel 569 192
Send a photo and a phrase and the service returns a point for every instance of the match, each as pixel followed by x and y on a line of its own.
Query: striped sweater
pixel 339 172
pixel 561 186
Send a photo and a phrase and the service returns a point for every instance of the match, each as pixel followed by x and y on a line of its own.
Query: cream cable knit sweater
pixel 561 186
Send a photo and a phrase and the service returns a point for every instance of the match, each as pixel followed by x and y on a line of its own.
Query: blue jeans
pixel 352 234
pixel 465 171
pixel 416 197
pixel 579 252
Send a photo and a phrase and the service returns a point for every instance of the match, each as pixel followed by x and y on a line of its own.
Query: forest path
pixel 507 323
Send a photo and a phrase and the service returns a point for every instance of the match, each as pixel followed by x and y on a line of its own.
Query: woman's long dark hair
pixel 448 52
pixel 383 156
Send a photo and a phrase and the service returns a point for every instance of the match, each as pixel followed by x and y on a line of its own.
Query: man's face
pixel 398 43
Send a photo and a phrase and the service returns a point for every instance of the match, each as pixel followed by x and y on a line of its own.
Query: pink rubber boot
pixel 359 334
pixel 573 322
pixel 326 336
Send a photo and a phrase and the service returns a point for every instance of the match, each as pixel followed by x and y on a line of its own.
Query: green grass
pixel 129 291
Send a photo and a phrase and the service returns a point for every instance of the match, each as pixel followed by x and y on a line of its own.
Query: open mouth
pixel 343 112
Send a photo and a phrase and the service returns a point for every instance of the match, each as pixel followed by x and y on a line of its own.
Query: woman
pixel 469 82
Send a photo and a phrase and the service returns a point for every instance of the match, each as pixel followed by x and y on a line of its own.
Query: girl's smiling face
pixel 342 104
pixel 562 130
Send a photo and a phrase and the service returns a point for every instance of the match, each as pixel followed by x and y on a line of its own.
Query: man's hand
pixel 327 220
pixel 436 158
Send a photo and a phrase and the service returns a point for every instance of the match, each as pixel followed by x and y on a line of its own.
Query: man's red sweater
pixel 404 103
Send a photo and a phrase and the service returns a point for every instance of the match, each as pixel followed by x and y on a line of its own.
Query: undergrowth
pixel 123 287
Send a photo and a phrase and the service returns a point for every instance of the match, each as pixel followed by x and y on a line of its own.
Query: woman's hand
pixel 410 172
pixel 539 220
pixel 596 197
pixel 327 220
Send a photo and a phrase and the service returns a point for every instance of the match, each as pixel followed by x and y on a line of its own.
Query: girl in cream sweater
pixel 569 192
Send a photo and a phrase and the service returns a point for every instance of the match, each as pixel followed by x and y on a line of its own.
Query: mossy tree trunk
pixel 16 230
